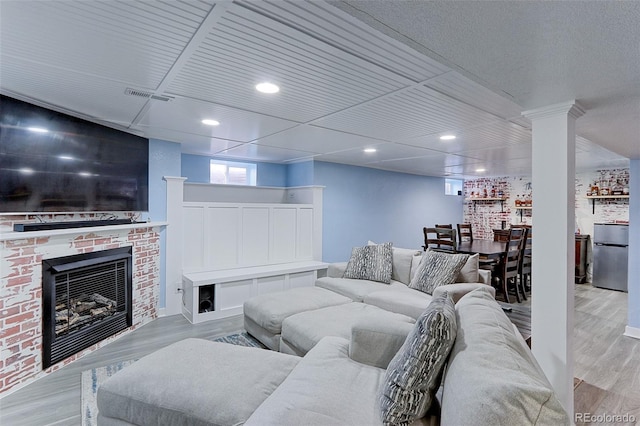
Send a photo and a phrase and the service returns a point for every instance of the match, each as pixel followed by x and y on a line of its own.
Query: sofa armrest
pixel 375 343
pixel 457 290
pixel 484 276
pixel 336 270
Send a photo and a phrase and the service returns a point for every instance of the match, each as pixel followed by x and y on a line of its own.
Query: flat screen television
pixel 53 162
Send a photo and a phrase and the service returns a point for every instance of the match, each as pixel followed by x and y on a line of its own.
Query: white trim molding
pixel 632 332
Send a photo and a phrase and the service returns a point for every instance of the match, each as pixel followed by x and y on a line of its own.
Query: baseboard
pixel 632 332
pixel 162 312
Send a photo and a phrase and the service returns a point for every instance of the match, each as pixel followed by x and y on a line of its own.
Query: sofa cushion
pixel 402 300
pixel 375 342
pixel 470 272
pixel 491 374
pixel 437 268
pixel 328 388
pixel 371 262
pixel 402 259
pixel 270 309
pixel 179 384
pixel 302 331
pixel 356 290
pixel 414 373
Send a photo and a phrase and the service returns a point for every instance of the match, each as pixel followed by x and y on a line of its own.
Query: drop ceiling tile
pixel 409 113
pixel 185 116
pixel 316 139
pixel 501 154
pixel 255 152
pixel 385 151
pixel 495 134
pixel 190 143
pixel 245 48
pixel 98 100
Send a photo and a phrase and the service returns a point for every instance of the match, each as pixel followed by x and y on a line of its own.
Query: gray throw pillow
pixel 371 262
pixel 413 375
pixel 437 268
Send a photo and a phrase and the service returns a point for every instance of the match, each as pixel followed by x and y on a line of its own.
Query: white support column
pixel 633 284
pixel 175 189
pixel 553 268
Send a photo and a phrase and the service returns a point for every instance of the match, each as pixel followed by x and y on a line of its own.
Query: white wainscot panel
pixel 233 294
pixel 283 235
pixel 304 238
pixel 193 237
pixel 270 284
pixel 255 236
pixel 224 228
pixel 302 279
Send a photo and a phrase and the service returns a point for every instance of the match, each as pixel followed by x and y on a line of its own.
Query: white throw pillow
pixel 469 273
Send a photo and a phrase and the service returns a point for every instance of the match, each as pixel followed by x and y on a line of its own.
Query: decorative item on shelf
pixel 473 194
pixel 485 193
pixel 493 192
pixel 500 193
pixel 595 191
pixel 518 202
pixel 617 189
pixel 625 188
pixel 528 201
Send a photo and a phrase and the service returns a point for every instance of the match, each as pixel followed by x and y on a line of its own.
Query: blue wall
pixel 300 174
pixel 164 160
pixel 634 245
pixel 362 204
pixel 196 169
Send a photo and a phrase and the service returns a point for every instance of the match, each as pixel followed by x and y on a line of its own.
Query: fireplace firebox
pixel 86 298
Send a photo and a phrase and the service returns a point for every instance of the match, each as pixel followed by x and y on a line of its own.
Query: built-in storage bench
pixel 217 294
pixel 227 243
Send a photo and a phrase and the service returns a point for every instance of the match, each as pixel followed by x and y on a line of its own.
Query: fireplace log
pixel 100 311
pixel 84 306
pixel 98 298
pixel 62 315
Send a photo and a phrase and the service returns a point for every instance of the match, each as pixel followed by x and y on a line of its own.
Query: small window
pixel 453 187
pixel 232 173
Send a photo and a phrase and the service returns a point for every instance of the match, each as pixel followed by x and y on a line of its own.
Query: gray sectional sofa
pixel 336 341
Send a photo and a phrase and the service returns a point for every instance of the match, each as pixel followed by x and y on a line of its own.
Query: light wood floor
pixel 608 362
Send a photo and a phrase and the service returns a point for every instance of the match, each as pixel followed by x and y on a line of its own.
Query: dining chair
pixel 443 239
pixel 465 232
pixel 444 235
pixel 508 268
pixel 524 269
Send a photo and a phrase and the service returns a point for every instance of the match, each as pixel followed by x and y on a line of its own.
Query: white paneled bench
pixel 217 294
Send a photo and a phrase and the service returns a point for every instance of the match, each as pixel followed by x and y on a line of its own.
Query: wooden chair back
pixel 464 232
pixel 440 239
pixel 510 263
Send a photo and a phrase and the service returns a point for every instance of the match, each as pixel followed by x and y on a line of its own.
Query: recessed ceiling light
pixel 447 137
pixel 370 150
pixel 84 174
pixel 37 129
pixel 480 170
pixel 210 122
pixel 26 170
pixel 267 88
pixel 66 157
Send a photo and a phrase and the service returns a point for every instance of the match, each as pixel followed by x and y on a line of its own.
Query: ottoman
pixel 264 314
pixel 188 383
pixel 301 332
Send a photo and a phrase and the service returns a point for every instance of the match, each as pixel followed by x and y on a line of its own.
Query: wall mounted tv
pixel 53 162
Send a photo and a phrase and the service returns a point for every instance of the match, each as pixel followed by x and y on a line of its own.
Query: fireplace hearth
pixel 86 298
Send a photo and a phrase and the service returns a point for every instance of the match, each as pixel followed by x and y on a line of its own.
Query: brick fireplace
pixel 21 295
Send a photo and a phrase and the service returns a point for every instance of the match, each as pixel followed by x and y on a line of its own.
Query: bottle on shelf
pixel 485 194
pixel 625 188
pixel 595 191
pixel 493 192
pixel 617 188
pixel 518 202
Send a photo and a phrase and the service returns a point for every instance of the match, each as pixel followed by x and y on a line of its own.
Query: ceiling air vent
pixel 144 94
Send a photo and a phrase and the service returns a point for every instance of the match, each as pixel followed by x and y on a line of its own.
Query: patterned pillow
pixel 371 262
pixel 413 375
pixel 437 268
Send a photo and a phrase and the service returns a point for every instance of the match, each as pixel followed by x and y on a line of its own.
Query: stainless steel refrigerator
pixel 610 256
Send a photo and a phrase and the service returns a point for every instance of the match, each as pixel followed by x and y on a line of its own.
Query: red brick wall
pixel 21 294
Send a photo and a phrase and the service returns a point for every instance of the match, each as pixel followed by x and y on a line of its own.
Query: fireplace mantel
pixel 8 236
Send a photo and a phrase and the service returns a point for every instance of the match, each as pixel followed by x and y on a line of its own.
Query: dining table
pixel 486 249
